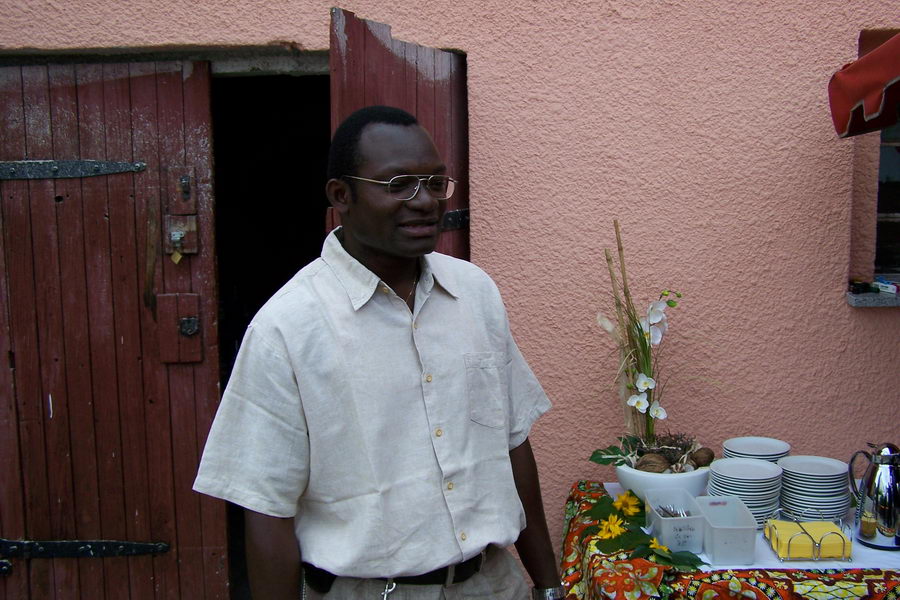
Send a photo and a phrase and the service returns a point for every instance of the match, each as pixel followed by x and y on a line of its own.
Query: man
pixel 378 411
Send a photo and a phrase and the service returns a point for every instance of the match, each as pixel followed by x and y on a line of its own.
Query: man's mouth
pixel 419 228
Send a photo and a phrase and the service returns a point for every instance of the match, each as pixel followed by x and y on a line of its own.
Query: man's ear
pixel 339 194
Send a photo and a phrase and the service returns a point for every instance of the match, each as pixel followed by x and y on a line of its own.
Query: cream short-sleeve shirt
pixel 385 433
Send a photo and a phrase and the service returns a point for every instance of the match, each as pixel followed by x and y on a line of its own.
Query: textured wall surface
pixel 703 127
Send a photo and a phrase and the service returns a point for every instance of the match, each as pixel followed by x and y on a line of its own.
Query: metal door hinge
pixel 455 219
pixel 29 549
pixel 65 169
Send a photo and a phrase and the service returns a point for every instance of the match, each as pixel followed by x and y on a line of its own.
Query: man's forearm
pixel 273 557
pixel 533 545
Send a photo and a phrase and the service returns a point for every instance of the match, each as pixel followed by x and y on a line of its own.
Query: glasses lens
pixel 440 186
pixel 403 187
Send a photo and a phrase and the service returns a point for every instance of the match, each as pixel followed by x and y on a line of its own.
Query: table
pixel 589 575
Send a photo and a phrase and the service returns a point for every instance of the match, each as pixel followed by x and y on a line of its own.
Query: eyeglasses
pixel 405 187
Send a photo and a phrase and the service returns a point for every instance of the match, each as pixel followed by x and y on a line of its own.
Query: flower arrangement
pixel 638 337
pixel 618 528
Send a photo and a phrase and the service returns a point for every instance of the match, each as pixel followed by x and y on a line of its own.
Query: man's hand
pixel 533 545
pixel 273 556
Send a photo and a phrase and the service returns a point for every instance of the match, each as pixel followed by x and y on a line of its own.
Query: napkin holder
pixel 793 539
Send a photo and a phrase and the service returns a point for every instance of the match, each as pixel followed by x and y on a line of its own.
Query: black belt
pixel 321 580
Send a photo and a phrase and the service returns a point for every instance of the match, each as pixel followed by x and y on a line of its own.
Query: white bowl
pixel 693 482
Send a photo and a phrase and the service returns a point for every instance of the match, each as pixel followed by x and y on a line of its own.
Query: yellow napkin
pixel 779 533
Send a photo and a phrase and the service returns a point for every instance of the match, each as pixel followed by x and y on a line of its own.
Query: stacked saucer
pixel 756 482
pixel 814 487
pixel 763 448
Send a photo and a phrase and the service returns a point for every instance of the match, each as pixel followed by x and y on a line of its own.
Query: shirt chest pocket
pixel 486 388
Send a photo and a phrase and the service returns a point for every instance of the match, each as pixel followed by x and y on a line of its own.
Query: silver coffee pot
pixel 878 498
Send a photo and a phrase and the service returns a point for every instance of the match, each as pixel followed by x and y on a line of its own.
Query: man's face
pixel 377 226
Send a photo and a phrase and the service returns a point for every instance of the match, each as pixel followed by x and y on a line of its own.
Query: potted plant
pixel 644 458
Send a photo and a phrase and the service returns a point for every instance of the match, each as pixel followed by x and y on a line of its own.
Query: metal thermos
pixel 878 498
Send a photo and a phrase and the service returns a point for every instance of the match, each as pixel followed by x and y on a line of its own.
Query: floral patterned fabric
pixel 591 575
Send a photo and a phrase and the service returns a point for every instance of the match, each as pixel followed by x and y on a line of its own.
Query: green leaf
pixel 613 455
pixel 642 551
pixel 588 531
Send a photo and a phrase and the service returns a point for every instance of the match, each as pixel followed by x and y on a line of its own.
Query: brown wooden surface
pixel 369 67
pixel 98 437
pixel 13 200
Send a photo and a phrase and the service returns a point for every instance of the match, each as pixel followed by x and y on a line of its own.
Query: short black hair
pixel 343 156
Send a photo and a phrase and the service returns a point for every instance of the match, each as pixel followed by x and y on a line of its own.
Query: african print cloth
pixel 591 575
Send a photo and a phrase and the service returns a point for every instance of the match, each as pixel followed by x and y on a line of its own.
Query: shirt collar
pixel 360 283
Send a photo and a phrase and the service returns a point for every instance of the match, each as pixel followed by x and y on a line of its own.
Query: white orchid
pixel 605 324
pixel 657 411
pixel 654 333
pixel 644 383
pixel 657 311
pixel 638 401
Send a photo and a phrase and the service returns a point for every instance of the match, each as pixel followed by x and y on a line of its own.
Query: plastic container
pixel 677 533
pixel 730 535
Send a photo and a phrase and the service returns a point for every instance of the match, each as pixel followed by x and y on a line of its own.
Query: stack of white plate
pixel 814 487
pixel 763 448
pixel 756 482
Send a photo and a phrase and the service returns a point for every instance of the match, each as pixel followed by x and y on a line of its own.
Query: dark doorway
pixel 270 145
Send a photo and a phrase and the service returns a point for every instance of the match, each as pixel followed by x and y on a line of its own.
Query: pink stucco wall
pixel 703 127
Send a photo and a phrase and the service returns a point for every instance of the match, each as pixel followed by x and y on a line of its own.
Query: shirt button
pixel 450 486
pixel 463 536
pixel 415 325
pixel 428 379
pixel 438 432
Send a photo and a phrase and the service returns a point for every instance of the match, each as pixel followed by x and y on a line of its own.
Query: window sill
pixel 873 300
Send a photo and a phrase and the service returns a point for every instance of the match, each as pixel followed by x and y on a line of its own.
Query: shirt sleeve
pixel 527 399
pixel 257 452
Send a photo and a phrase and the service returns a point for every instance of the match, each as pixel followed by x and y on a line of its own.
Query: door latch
pixel 188 326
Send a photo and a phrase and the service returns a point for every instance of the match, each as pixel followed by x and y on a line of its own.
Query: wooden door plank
pixel 347 65
pixel 48 298
pixel 69 202
pixel 177 278
pixel 101 319
pixel 161 495
pixel 12 506
pixel 459 155
pixel 379 60
pixel 126 294
pixel 23 314
pixel 409 82
pixel 425 91
pixel 198 119
pixel 366 62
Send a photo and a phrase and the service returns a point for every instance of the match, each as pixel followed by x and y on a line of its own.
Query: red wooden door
pixel 104 405
pixel 369 67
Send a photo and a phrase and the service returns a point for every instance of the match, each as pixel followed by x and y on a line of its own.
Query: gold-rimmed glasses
pixel 405 187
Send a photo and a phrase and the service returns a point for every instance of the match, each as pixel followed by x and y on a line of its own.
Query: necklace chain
pixel 409 295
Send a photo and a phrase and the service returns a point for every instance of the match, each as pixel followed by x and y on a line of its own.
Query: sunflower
pixel 611 528
pixel 628 504
pixel 655 545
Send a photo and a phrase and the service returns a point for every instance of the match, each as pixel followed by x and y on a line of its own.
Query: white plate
pixel 809 490
pixel 744 493
pixel 745 469
pixel 817 466
pixel 757 446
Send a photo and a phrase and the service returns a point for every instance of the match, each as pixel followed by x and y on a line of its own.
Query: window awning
pixel 865 94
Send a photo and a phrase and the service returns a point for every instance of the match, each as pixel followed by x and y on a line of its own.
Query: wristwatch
pixel 554 593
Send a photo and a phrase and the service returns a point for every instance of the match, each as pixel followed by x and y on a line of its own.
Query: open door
pixel 369 67
pixel 108 341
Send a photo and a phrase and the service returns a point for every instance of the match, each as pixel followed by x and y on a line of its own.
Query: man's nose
pixel 423 198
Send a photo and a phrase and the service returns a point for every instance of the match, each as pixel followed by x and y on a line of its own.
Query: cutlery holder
pixel 677 533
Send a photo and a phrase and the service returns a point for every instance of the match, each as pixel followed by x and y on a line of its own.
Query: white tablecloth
pixel 863 557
